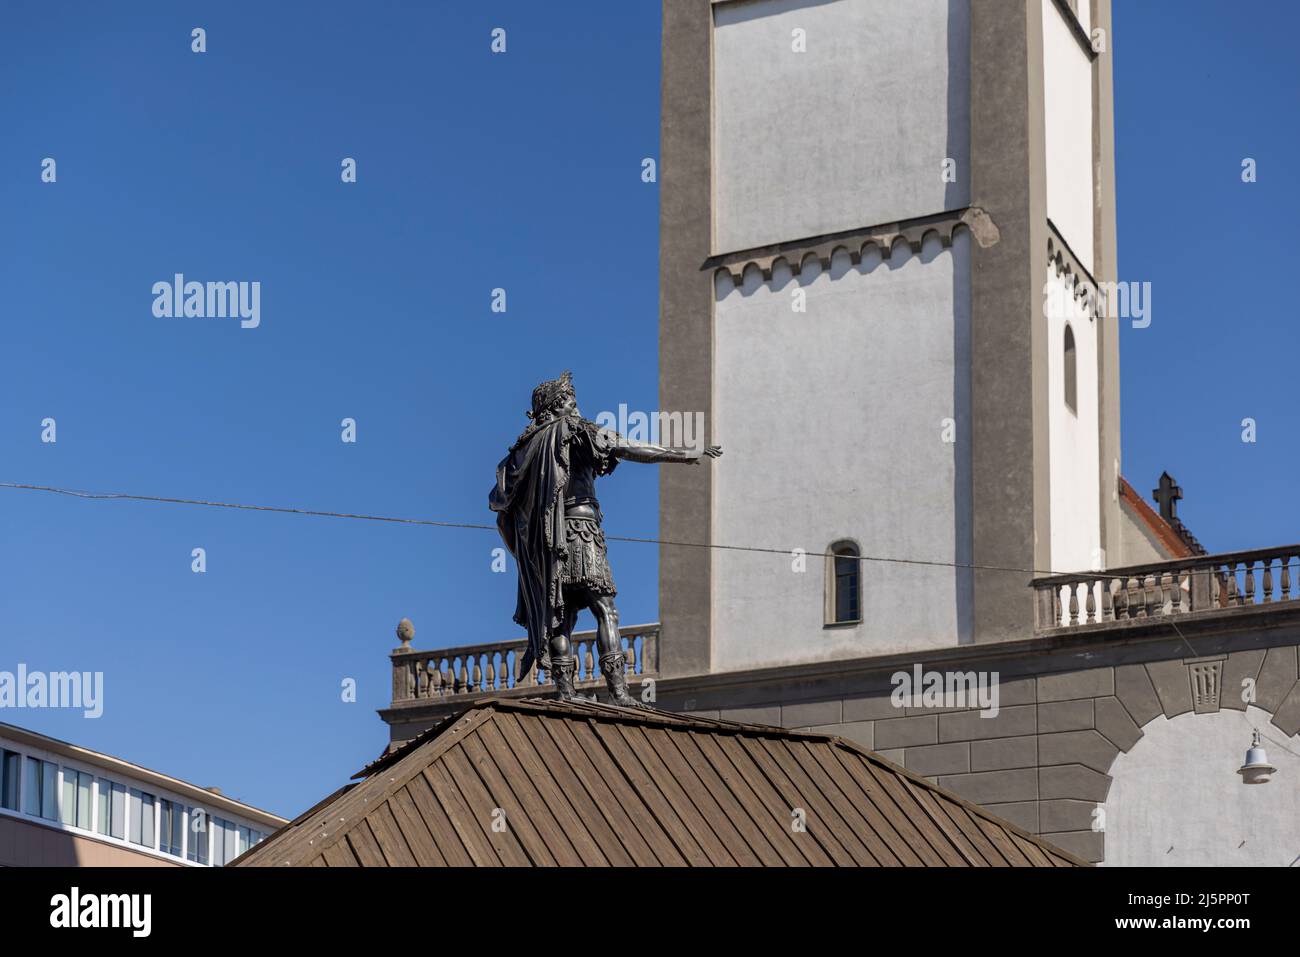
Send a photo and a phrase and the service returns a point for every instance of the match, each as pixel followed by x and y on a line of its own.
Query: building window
pixel 75 810
pixel 1071 372
pixel 225 840
pixel 196 849
pixel 41 789
pixel 119 811
pixel 843 584
pixel 171 827
pixel 103 794
pixel 141 818
pixel 11 766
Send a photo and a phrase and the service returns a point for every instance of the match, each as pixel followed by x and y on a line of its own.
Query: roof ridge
pixel 440 742
pixel 601 709
pixel 1179 541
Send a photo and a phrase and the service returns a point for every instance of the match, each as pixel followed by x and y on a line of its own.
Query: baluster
pixel 1107 601
pixel 1286 578
pixel 1057 611
pixel 1074 603
pixel 1233 598
pixel 1121 599
pixel 1166 585
pixel 1250 583
pixel 1149 596
pixel 492 671
pixel 589 660
pixel 1090 603
pixel 421 680
pixel 1267 595
pixel 401 681
pixel 435 679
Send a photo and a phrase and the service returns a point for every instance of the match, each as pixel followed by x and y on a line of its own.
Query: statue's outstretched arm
pixel 647 452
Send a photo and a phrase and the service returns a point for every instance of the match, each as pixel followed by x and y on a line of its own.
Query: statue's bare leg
pixel 612 661
pixel 563 664
pixel 607 636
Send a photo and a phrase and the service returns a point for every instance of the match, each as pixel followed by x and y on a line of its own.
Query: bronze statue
pixel 549 518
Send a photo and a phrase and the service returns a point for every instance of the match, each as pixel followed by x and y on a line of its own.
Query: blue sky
pixel 1196 93
pixel 475 171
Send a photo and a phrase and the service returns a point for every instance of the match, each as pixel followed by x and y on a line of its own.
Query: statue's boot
pixel 562 668
pixel 613 666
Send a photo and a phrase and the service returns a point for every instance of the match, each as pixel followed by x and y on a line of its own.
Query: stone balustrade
pixel 1179 587
pixel 428 676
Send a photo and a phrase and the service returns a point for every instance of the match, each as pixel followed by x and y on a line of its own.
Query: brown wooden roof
pixel 591 784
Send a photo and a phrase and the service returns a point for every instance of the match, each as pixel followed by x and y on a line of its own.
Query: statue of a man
pixel 548 515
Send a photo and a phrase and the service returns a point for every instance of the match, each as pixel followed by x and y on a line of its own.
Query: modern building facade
pixel 888 277
pixel 66 806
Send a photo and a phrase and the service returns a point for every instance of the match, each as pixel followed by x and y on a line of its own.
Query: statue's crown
pixel 544 395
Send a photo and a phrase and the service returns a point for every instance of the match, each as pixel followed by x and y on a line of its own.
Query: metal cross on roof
pixel 1167 494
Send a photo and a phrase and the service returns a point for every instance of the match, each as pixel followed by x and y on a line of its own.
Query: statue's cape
pixel 529 501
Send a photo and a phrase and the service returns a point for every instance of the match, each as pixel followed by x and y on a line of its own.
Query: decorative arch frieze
pixel 730 270
pixel 1078 281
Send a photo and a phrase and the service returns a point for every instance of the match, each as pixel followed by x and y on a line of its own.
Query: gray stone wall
pixel 1044 761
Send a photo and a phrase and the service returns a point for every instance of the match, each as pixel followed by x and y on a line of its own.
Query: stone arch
pixel 1176 800
pixel 1166 761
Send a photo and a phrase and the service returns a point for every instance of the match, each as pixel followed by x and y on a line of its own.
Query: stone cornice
pixel 855 242
pixel 1078 280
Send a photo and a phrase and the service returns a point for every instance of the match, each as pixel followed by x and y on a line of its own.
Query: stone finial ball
pixel 405 630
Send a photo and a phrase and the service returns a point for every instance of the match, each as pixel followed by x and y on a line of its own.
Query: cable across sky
pixel 479 526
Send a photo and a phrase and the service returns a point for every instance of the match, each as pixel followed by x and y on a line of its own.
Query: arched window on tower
pixel 1071 372
pixel 843 584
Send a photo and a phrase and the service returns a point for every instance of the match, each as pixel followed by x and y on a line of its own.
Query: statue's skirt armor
pixel 587 564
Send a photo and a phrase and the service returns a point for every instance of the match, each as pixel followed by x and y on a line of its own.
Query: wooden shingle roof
pixel 539 782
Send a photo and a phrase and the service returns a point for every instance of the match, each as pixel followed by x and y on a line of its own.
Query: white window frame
pixel 97 773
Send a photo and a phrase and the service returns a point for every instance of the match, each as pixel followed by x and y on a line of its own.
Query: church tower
pixel 882 231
